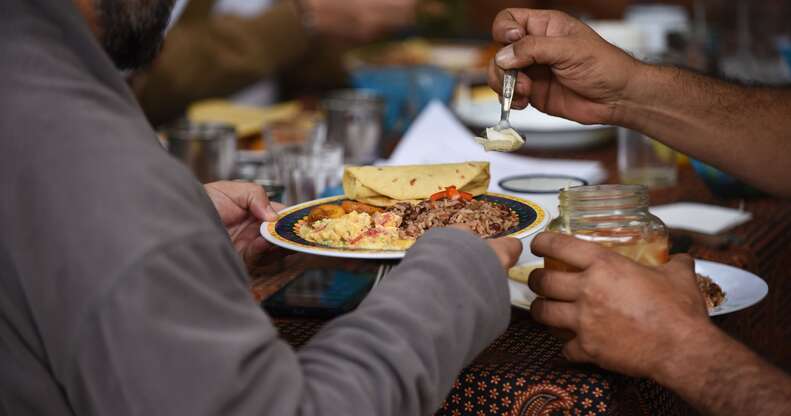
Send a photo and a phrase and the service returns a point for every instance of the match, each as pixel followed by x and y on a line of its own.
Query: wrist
pixel 637 94
pixel 689 353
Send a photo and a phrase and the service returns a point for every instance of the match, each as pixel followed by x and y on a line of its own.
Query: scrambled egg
pixel 357 230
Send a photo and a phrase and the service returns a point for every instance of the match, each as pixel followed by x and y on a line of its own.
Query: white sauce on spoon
pixel 507 140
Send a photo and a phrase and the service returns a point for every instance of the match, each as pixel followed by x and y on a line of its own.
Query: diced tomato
pixel 451 193
pixel 439 195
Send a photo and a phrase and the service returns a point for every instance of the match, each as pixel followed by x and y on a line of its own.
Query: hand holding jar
pixel 624 316
pixel 608 280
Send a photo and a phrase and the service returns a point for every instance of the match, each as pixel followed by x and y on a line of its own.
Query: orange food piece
pixel 439 195
pixel 451 193
pixel 354 206
pixel 326 211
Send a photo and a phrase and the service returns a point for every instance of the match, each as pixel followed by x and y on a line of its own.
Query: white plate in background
pixel 541 131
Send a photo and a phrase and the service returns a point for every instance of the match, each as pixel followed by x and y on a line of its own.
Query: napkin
pixel 437 136
pixel 702 218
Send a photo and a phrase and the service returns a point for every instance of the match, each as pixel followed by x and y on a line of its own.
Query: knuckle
pixel 570 351
pixel 524 46
pixel 561 16
pixel 682 260
pixel 556 244
pixel 592 294
pixel 588 346
pixel 602 259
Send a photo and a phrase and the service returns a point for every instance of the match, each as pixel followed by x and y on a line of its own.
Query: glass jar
pixel 615 216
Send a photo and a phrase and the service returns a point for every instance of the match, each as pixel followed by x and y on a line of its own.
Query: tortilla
pixel 384 186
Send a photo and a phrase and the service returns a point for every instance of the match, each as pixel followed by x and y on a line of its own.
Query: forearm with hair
pixel 719 376
pixel 745 131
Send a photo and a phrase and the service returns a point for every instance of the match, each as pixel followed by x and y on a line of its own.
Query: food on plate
pixel 712 292
pixel 385 186
pixel 326 211
pixel 388 208
pixel 451 193
pixel 358 230
pixel 521 273
pixel 484 218
pixel 507 140
pixel 353 206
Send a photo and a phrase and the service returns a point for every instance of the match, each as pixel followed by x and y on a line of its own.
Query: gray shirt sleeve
pixel 176 336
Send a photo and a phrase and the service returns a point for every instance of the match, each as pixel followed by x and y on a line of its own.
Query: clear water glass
pixel 645 161
pixel 308 171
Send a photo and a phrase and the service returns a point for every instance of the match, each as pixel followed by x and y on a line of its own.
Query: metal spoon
pixel 509 83
pixel 509 141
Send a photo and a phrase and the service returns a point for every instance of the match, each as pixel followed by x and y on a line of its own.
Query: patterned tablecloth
pixel 523 372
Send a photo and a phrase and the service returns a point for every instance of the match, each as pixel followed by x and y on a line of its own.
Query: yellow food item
pixel 521 273
pixel 507 140
pixel 356 230
pixel 351 206
pixel 384 186
pixel 322 212
pixel 246 119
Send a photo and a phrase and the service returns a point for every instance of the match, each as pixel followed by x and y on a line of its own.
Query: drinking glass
pixel 308 171
pixel 208 149
pixel 354 120
pixel 645 161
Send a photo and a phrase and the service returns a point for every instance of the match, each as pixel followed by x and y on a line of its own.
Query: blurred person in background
pixel 242 48
pixel 637 320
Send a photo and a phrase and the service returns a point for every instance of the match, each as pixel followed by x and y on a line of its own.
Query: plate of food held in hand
pixel 385 209
pixel 725 288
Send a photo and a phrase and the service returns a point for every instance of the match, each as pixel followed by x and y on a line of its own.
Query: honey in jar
pixel 615 216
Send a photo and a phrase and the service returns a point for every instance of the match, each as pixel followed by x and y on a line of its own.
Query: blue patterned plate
pixel 532 218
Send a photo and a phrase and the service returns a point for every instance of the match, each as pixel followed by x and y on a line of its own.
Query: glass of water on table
pixel 298 162
pixel 309 171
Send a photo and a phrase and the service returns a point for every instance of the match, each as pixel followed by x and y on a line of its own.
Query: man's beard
pixel 132 30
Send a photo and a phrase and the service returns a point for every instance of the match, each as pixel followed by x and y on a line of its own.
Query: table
pixel 523 373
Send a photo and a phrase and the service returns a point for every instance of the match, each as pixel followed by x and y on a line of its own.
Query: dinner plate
pixel 742 288
pixel 532 218
pixel 541 131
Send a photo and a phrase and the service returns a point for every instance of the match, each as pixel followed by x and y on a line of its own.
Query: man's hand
pixel 360 20
pixel 507 249
pixel 566 69
pixel 242 207
pixel 624 316
pixel 651 322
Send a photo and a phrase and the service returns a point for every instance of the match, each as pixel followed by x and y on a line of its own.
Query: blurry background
pixel 298 80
